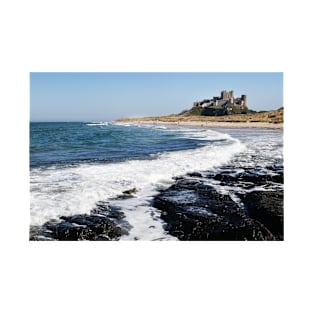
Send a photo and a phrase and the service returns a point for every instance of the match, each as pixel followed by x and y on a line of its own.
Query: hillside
pixel 275 116
pixel 217 110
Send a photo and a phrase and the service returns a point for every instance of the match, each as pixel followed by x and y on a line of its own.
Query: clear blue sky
pixel 108 96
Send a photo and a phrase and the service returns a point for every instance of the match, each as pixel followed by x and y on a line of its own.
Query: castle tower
pixel 231 96
pixel 244 100
pixel 224 95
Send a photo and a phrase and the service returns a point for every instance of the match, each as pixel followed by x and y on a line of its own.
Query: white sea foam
pixel 98 124
pixel 124 124
pixel 161 127
pixel 75 190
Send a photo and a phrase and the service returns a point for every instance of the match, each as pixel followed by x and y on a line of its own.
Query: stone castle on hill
pixel 225 100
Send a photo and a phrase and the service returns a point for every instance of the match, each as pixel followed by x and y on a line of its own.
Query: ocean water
pixel 75 165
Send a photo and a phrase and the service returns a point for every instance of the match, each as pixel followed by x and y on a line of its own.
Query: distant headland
pixel 225 110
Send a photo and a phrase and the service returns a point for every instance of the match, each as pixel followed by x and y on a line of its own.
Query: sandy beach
pixel 211 124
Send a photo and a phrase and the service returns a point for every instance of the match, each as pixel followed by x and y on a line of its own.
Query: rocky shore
pixel 104 223
pixel 230 205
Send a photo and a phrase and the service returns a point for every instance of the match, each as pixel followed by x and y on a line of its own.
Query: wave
pixel 160 127
pixel 123 124
pixel 98 124
pixel 76 190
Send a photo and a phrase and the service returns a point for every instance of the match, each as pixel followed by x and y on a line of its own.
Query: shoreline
pixel 211 124
pixel 183 200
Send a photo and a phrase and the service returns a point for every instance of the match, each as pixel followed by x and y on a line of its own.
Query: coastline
pixel 224 193
pixel 210 124
pixel 266 119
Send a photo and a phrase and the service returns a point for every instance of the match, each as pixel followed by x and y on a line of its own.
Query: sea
pixel 75 165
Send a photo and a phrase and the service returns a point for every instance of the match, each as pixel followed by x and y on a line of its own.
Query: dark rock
pixel 122 197
pixel 126 194
pixel 226 177
pixel 248 178
pixel 101 224
pixel 36 233
pixel 195 174
pixel 195 211
pixel 112 212
pixel 130 191
pixel 278 178
pixel 267 208
pixel 68 231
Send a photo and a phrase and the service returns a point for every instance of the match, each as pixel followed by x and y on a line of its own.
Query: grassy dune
pixel 275 117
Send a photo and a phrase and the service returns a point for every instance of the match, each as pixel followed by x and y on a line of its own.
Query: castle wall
pixel 226 98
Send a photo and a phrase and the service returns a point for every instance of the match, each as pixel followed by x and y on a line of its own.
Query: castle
pixel 227 98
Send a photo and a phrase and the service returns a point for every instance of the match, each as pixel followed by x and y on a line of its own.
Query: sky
pixel 108 96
